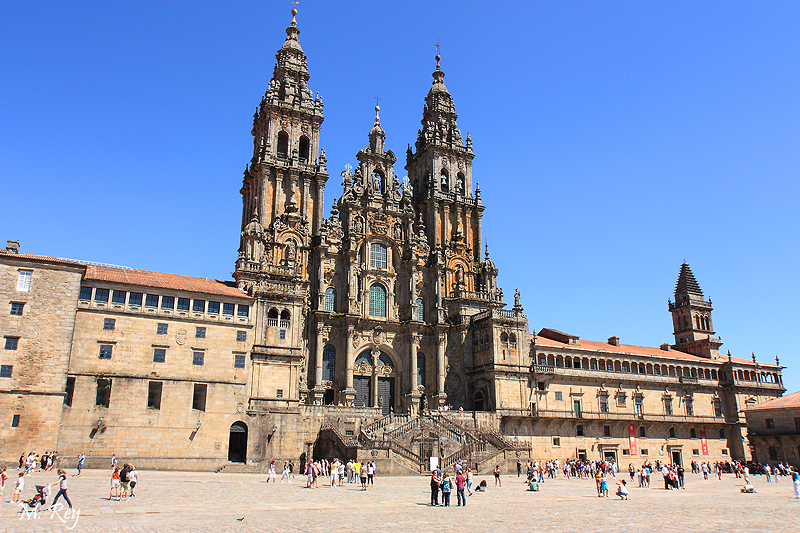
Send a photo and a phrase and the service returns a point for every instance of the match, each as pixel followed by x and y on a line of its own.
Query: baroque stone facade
pixel 349 335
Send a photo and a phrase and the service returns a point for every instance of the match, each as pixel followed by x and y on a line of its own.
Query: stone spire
pixel 691 318
pixel 289 82
pixel 687 284
pixel 376 135
pixel 439 127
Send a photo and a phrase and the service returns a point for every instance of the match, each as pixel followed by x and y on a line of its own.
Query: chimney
pixel 613 341
pixel 666 347
pixel 12 247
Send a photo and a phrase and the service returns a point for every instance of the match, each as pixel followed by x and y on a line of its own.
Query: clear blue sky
pixel 613 141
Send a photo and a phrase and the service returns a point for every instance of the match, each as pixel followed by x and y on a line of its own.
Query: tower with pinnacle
pixel 691 318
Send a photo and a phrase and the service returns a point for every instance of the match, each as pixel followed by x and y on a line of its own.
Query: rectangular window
pixel 556 442
pixel 105 351
pixel 243 310
pixel 797 425
pixel 621 399
pixel 16 308
pixel 167 302
pixel 724 451
pixel 11 343
pixel 667 406
pixel 197 358
pixel 159 355
pixel 642 432
pixel 626 451
pixel 154 395
pixel 637 405
pixel 689 406
pixel 279 393
pixel 773 453
pixel 695 451
pixel 135 298
pixel 717 408
pixel 118 297
pixel 24 280
pixel 579 430
pixel 199 306
pixel 282 334
pixel 109 324
pixel 70 391
pixel 227 309
pixel 672 433
pixel 200 332
pixel 86 293
pixel 103 398
pixel 238 360
pixel 644 451
pixel 101 295
pixel 378 256
pixel 161 328
pixel 603 403
pixel 241 336
pixel 770 423
pixel 625 367
pixel 213 308
pixel 559 396
pixel 199 397
pixel 183 304
pixel 5 371
pixel 151 300
pixel 541 385
pixel 15 421
pixel 657 370
pixel 606 431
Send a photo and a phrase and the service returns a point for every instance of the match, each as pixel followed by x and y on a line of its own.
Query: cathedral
pixel 376 332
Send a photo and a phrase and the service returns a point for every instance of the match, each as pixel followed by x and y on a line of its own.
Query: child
pixel 622 490
pixel 19 487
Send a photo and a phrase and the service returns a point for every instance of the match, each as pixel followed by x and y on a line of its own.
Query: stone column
pixel 349 391
pixel 414 394
pixel 374 392
pixel 440 370
pixel 319 391
pixel 276 196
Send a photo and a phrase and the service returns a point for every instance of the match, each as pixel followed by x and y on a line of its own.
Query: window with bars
pixel 238 360
pixel 198 358
pixel 377 300
pixel 330 299
pixel 85 294
pixel 105 351
pixel 241 336
pixel 167 302
pixel 109 324
pixel 378 256
pixel 420 309
pixel 159 355
pixel 199 306
pixel 101 295
pixel 328 362
pixel 227 309
pixel 16 308
pixel 243 310
pixel 11 343
pixel 161 328
pixel 213 308
pixel 151 300
pixel 6 370
pixel 200 332
pixel 135 298
pixel 118 297
pixel 183 304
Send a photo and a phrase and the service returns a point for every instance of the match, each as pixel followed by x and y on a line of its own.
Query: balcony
pixel 626 416
pixel 586 374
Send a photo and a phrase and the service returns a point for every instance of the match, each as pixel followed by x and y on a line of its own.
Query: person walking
pixel 795 481
pixel 114 494
pixel 519 468
pixel 497 476
pixel 133 476
pixel 81 460
pixel 285 474
pixel 461 482
pixel 469 481
pixel 62 489
pixel 271 473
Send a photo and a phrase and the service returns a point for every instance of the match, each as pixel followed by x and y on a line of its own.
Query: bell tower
pixel 282 195
pixel 691 318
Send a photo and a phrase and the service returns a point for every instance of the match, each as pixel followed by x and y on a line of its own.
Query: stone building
pixel 350 335
pixel 773 429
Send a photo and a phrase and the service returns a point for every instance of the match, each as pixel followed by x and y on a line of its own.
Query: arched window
pixel 385 360
pixel 285 315
pixel 377 300
pixel 304 149
pixel 445 184
pixel 330 299
pixel 377 256
pixel 328 362
pixel 512 340
pixel 420 305
pixel 273 313
pixel 364 357
pixel 460 183
pixel 283 145
pixel 420 368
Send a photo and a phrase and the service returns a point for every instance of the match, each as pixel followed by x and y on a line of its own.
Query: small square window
pixel 279 393
pixel 159 355
pixel 105 351
pixel 199 396
pixel 349 432
pixel 724 451
pixel 135 298
pixel 118 297
pixel 579 430
pixel 559 396
pixel 199 306
pixel 24 280
pixel 200 332
pixel 161 328
pixel 606 431
pixel 15 421
pixel 243 310
pixel 167 302
pixel 282 334
pixel 86 293
pixel 626 451
pixel 12 343
pixel 227 309
pixel 238 361
pixel 695 451
pixel 541 385
pixel 109 324
pixel 556 442
pixel 151 300
pixel 644 451
pixel 5 371
pixel 241 336
pixel 197 358
pixel 213 308
pixel 16 308
pixel 101 295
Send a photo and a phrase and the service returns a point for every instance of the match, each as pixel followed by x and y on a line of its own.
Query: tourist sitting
pixel 482 486
pixel 748 488
pixel 622 490
pixel 533 486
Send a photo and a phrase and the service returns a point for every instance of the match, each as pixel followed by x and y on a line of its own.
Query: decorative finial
pixel 487 250
pixel 294 13
pixel 377 109
pixel 438 47
pixel 754 356
pixel 729 355
pixel 777 361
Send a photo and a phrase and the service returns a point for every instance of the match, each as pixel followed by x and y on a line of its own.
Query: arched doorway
pixel 479 401
pixel 237 444
pixel 375 385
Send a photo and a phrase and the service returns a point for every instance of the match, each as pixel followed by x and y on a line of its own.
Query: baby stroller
pixel 39 499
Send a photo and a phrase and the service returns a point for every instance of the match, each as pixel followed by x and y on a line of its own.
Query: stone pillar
pixel 276 197
pixel 349 392
pixel 414 394
pixel 440 371
pixel 374 392
pixel 319 391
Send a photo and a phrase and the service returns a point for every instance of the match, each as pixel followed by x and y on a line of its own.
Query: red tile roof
pixel 627 349
pixel 790 401
pixel 161 280
pixel 33 257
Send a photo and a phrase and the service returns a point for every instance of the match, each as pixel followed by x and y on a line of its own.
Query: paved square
pixel 192 501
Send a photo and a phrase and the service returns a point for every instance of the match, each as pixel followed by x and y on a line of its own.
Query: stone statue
pixel 516 297
pixel 358 226
pixel 291 250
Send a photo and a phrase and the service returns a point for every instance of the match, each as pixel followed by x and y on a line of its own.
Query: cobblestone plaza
pixel 194 501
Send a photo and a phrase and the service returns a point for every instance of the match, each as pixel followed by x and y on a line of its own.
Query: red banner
pixel 632 439
pixel 703 441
